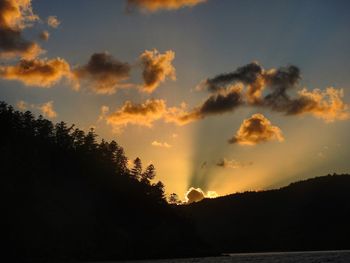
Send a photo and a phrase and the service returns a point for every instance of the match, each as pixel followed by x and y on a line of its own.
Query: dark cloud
pixel 222 102
pixel 270 89
pixel 279 82
pixel 255 130
pixel 156 5
pixel 14 17
pixel 247 74
pixel 103 73
pixel 44 35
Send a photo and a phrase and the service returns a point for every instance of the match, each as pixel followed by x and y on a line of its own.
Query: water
pixel 280 257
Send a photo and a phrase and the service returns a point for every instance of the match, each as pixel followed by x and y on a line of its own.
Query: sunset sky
pixel 222 95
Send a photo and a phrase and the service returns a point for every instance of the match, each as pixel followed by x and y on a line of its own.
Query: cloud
pixel 156 5
pixel 103 112
pixel 156 67
pixel 197 194
pixel 46 109
pixel 142 114
pixel 270 89
pixel 246 74
pixel 234 164
pixel 22 105
pixel 37 72
pixel 103 73
pixel 15 15
pixel 327 105
pixel 145 114
pixel 211 194
pixel 53 21
pixel 221 102
pixel 44 35
pixel 229 92
pixel 257 129
pixel 161 144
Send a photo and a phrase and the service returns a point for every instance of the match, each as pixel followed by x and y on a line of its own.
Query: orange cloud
pixel 37 72
pixel 103 73
pixel 46 109
pixel 257 129
pixel 53 21
pixel 156 5
pixel 197 194
pixel 161 144
pixel 15 15
pixel 143 114
pixel 156 67
pixel 327 105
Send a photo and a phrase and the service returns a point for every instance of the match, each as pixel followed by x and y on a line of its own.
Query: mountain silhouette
pixel 307 215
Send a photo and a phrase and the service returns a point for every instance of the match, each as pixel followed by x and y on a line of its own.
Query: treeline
pixel 307 215
pixel 69 197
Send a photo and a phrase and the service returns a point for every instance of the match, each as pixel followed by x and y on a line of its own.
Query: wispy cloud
pixel 234 164
pixel 161 144
pixel 156 5
pixel 46 109
pixel 53 21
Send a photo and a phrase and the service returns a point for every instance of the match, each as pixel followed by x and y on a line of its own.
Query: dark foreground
pixel 279 257
pixel 69 197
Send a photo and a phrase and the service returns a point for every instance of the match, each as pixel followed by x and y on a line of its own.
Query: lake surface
pixel 280 257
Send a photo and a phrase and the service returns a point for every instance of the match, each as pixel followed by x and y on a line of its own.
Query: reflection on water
pixel 281 257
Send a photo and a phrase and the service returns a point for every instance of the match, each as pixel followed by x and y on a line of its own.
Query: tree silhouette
pixel 136 171
pixel 174 199
pixel 148 174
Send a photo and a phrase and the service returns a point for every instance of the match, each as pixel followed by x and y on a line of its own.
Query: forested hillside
pixel 307 215
pixel 66 196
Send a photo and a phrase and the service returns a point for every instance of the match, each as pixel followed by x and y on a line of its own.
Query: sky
pixel 222 95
